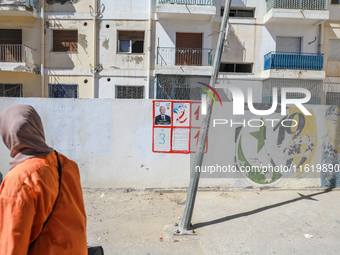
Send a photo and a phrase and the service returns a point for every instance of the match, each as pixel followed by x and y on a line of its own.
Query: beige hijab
pixel 23 133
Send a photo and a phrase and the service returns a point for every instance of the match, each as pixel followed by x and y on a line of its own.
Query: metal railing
pixel 17 53
pixel 288 60
pixel 189 2
pixel 184 56
pixel 297 4
pixel 30 2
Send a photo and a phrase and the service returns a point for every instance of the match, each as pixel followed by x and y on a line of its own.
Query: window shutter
pixel 131 35
pixel 334 50
pixel 288 44
pixel 65 40
pixel 10 36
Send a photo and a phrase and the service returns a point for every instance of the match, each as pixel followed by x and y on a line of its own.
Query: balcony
pixel 171 60
pixel 18 8
pixel 186 9
pixel 308 12
pixel 18 58
pixel 293 65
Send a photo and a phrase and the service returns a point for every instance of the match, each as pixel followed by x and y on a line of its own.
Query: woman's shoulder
pixel 23 174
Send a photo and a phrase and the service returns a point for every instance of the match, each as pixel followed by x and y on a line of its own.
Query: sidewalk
pixel 242 222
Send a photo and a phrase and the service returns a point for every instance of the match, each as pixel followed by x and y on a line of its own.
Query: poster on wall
pixel 180 139
pixel 162 138
pixel 162 113
pixel 171 126
pixel 181 114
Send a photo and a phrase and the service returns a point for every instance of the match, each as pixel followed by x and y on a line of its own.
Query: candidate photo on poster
pixel 162 113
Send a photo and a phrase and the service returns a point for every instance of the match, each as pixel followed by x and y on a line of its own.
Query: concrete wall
pixel 111 140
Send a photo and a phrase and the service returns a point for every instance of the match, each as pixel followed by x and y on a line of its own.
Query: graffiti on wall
pixel 331 148
pixel 276 145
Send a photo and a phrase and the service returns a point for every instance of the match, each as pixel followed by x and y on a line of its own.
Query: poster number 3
pixel 162 135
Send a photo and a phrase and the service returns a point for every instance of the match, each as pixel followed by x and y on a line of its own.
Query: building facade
pixel 163 48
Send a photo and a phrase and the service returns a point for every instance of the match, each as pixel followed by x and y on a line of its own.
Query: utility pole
pixel 184 227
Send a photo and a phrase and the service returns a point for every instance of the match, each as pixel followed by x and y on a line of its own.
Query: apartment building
pixel 163 48
pixel 75 49
pixel 271 44
pixel 331 47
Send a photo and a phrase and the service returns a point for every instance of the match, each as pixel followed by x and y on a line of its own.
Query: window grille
pixel 314 87
pixel 10 90
pixel 132 92
pixel 333 98
pixel 180 87
pixel 63 91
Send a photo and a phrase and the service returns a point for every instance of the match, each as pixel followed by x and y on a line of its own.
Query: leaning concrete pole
pixel 184 227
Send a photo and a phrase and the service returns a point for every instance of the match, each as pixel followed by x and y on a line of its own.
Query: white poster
pixel 180 140
pixel 181 117
pixel 162 138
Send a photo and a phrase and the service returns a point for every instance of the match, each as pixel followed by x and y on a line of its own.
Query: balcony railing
pixel 189 2
pixel 295 61
pixel 184 56
pixel 30 2
pixel 16 53
pixel 297 4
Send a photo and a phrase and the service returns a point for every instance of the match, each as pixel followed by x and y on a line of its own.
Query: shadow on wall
pixel 61 5
pixel 66 60
pixel 237 50
pixel 242 3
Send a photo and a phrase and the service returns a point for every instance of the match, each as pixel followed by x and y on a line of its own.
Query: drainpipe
pixel 95 14
pixel 147 89
pixel 320 37
pixel 42 69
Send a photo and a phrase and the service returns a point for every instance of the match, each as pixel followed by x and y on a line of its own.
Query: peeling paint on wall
pixel 27 68
pixel 106 43
pixel 82 41
pixel 50 2
pixel 138 60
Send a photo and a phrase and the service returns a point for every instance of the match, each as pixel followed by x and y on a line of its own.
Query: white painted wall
pixel 111 140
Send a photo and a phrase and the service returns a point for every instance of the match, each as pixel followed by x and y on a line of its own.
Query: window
pixel 242 13
pixel 131 41
pixel 65 40
pixel 236 68
pixel 10 90
pixel 288 44
pixel 63 90
pixel 335 2
pixel 333 98
pixel 132 92
pixel 334 50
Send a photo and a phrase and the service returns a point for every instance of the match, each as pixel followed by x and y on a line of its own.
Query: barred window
pixel 65 40
pixel 335 1
pixel 63 90
pixel 10 90
pixel 313 86
pixel 133 92
pixel 333 98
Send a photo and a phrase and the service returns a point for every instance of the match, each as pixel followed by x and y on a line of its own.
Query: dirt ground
pixel 134 222
pixel 252 222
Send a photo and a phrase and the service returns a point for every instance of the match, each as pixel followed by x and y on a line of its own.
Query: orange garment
pixel 27 196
